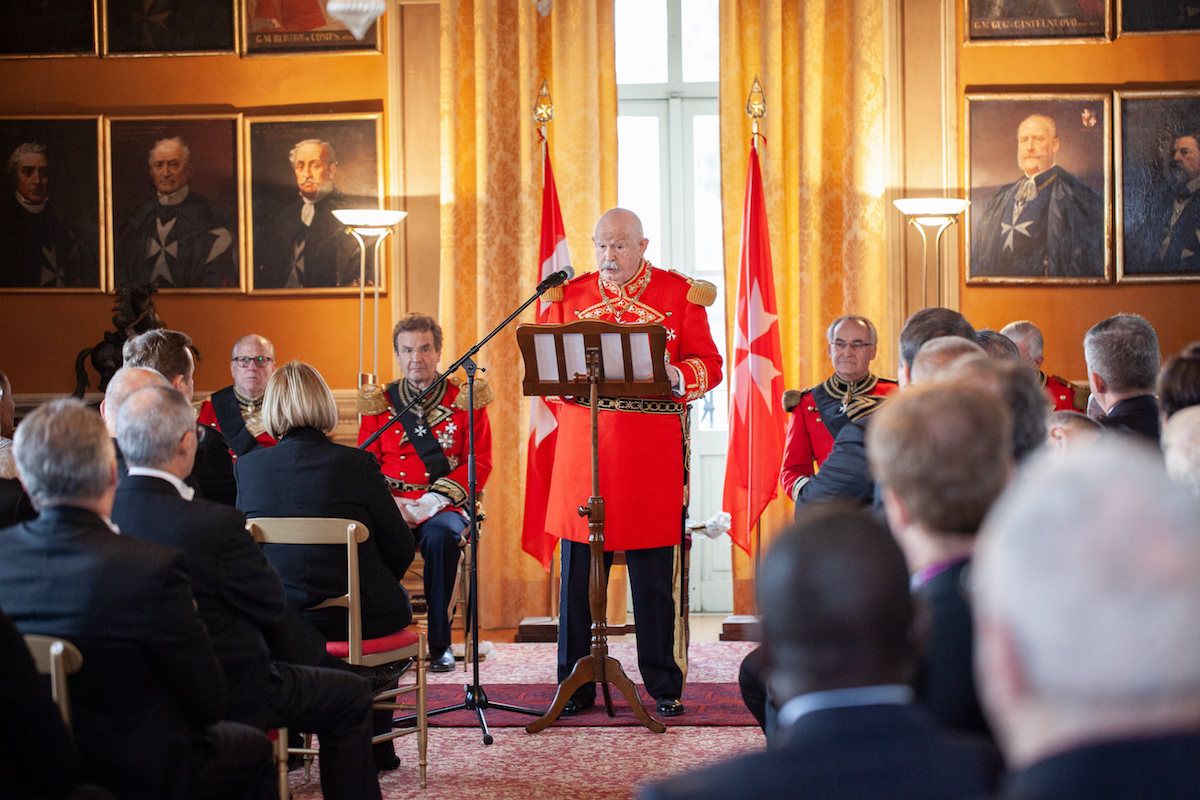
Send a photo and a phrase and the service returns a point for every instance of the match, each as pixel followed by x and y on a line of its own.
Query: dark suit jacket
pixel 946 683
pixel 882 752
pixel 1163 768
pixel 1137 415
pixel 846 473
pixel 212 474
pixel 38 760
pixel 14 503
pixel 330 253
pixel 150 681
pixel 306 475
pixel 237 592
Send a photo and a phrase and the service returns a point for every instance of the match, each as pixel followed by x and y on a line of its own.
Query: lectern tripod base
pixel 602 668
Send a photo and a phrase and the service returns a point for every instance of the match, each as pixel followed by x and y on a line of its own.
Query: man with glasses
pixel 236 411
pixel 851 393
pixel 424 459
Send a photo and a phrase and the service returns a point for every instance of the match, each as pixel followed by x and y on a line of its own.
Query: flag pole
pixel 756 109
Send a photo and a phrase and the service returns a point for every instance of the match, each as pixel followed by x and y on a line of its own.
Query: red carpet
pixel 708 704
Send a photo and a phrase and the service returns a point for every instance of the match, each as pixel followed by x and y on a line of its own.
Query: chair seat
pixel 393 641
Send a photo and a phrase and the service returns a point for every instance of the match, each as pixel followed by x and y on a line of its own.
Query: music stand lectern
pixel 611 361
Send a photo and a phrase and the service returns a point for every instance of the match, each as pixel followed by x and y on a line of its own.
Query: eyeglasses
pixel 855 346
pixel 246 362
pixel 423 350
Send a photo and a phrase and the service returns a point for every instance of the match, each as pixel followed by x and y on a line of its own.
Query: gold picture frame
pixel 189 28
pixel 1000 22
pixel 71 29
pixel 292 27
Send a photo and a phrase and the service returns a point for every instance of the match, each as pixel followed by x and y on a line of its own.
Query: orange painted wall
pixel 1065 313
pixel 40 334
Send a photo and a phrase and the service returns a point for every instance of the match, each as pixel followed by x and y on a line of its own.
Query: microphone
pixel 556 279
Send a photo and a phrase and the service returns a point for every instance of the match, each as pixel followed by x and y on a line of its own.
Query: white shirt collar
pixel 185 491
pixel 174 198
pixel 32 208
pixel 886 694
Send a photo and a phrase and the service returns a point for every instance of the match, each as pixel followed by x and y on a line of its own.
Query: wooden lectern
pixel 609 360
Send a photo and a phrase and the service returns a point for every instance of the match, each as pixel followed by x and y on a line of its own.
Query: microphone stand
pixel 475 698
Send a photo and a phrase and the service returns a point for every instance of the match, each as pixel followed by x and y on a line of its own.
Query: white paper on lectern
pixel 547 360
pixel 576 358
pixel 614 361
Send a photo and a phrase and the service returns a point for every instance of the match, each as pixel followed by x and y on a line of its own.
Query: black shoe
pixel 443 662
pixel 670 706
pixel 384 677
pixel 574 707
pixel 386 759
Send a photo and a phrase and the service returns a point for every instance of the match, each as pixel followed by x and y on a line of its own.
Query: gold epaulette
pixel 791 399
pixel 483 392
pixel 554 294
pixel 700 292
pixel 371 400
pixel 196 405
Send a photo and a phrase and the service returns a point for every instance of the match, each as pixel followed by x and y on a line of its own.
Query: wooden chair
pixel 369 652
pixel 57 658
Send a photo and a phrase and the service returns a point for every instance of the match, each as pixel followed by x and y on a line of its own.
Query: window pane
pixel 641 34
pixel 639 185
pixel 706 227
pixel 701 52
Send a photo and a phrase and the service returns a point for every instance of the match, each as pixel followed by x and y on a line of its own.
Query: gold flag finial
pixel 543 110
pixel 756 105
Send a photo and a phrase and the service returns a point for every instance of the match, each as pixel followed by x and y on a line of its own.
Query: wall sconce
pixel 364 224
pixel 931 212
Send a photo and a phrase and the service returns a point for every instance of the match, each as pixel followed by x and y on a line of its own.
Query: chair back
pixel 57 658
pixel 323 530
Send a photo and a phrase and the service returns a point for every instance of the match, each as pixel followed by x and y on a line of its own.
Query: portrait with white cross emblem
pixel 1043 216
pixel 175 202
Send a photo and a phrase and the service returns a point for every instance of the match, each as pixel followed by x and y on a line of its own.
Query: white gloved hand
pixel 417 511
pixel 718 524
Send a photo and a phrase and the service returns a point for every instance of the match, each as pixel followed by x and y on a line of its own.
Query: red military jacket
pixel 444 411
pixel 642 444
pixel 1061 393
pixel 251 421
pixel 809 439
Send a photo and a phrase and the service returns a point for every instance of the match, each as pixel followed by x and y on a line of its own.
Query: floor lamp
pixel 368 224
pixel 930 212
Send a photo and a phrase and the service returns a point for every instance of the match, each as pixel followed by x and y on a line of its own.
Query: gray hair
pixel 126 381
pixel 1024 330
pixel 63 453
pixel 1123 350
pixel 151 423
pixel 872 336
pixel 1095 578
pixel 330 153
pixel 26 149
pixel 1181 447
pixel 997 345
pixel 175 140
pixel 161 350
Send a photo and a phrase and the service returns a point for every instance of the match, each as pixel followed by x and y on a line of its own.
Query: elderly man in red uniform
pixel 424 458
pixel 236 411
pixel 851 393
pixel 1028 339
pixel 642 446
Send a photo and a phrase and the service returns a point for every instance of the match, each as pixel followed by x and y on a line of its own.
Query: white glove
pixel 714 527
pixel 417 511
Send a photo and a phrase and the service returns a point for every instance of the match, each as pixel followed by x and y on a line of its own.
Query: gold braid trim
pixel 635 404
pixel 452 489
pixel 702 293
pixel 856 400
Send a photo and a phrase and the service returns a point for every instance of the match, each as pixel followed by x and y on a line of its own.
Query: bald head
pixel 619 245
pixel 252 365
pixel 125 382
pixel 939 353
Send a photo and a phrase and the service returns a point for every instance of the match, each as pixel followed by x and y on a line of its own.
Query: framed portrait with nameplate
pixel 1036 21
pixel 299 26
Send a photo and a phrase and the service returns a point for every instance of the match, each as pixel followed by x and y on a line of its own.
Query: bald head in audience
pixel 1028 339
pixel 1070 430
pixel 938 353
pixel 1181 447
pixel 1086 603
pixel 125 382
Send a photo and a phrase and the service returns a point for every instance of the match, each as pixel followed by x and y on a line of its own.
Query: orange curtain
pixel 494 56
pixel 820 63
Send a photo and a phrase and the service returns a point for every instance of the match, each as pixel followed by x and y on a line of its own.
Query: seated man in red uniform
pixel 424 458
pixel 236 411
pixel 642 446
pixel 850 393
pixel 1028 339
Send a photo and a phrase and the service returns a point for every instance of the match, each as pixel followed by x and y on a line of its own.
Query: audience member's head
pixel 1122 358
pixel 1086 603
pixel 1179 383
pixel 1018 387
pixel 1181 447
pixel 852 346
pixel 1070 430
pixel 155 428
pixel 298 397
pixel 836 607
pixel 926 324
pixel 123 383
pixel 169 352
pixel 66 457
pixel 252 365
pixel 997 345
pixel 938 353
pixel 8 408
pixel 1028 339
pixel 943 453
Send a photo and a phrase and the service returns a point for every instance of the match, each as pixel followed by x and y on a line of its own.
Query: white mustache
pixel 610 266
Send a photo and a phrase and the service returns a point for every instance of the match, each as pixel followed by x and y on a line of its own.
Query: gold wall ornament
pixel 756 105
pixel 543 109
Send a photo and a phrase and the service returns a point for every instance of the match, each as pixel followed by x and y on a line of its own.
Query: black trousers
pixel 438 538
pixel 235 764
pixel 651 574
pixel 336 706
